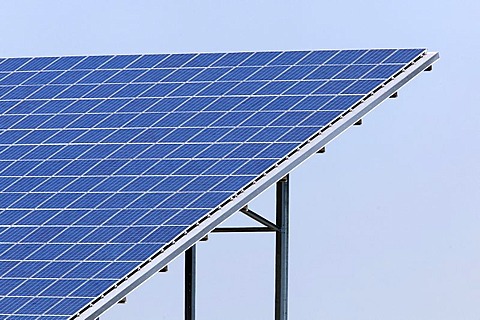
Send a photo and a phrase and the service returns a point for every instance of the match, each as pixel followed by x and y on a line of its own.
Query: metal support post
pixel 190 279
pixel 281 250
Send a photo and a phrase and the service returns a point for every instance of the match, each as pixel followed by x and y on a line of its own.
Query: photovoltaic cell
pixel 104 160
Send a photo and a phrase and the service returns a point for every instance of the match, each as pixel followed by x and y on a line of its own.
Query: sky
pixel 385 224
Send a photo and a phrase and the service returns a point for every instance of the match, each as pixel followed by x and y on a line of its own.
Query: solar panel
pixel 110 166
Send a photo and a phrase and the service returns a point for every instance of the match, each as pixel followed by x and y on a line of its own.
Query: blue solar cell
pixel 32 287
pixel 153 135
pixel 20 92
pixel 289 58
pixel 375 56
pixel 164 234
pixel 298 134
pixel 72 235
pixel 54 106
pixel 64 63
pixel 13 64
pixel 204 60
pixel 40 306
pixel 98 76
pixel 134 167
pixel 93 288
pixel 218 151
pixel 260 58
pixel 77 91
pixel 92 62
pixel 65 136
pixel 297 73
pixel 247 150
pixel 269 134
pixel 232 59
pixel 318 57
pixel 69 306
pixel 175 60
pixel 253 103
pixel 119 62
pixel 125 76
pixel 117 270
pixel 282 103
pixel 70 77
pixel 147 61
pixel 21 252
pixel 194 167
pixel 304 87
pixel 189 89
pixel 128 217
pixel 43 77
pixel 240 73
pixel 362 86
pixel 132 90
pixel 16 78
pixel 25 269
pixel 109 252
pixel 354 71
pixel 103 235
pixel 160 90
pixel 117 155
pixel 268 73
pixel 384 71
pixel 312 102
pixel 232 119
pixel 334 86
pixel 180 200
pixel 62 288
pixel 149 200
pixel 224 104
pixel 207 200
pixel 401 56
pixel 66 217
pixel 239 134
pixel 37 64
pixel 247 88
pixel 7 105
pixel 217 88
pixel 211 74
pixel 182 75
pixel 156 217
pixel 346 57
pixel 341 103
pixel 154 75
pixel 276 88
pixel 181 135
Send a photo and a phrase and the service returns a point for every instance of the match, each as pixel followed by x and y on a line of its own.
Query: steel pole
pixel 281 250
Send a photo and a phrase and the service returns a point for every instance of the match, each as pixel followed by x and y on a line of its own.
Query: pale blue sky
pixel 386 224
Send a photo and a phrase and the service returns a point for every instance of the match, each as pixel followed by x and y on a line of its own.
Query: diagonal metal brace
pixel 255 216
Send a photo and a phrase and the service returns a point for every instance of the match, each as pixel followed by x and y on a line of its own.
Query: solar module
pixel 110 166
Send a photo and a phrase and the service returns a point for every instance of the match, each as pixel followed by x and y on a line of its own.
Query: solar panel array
pixel 106 159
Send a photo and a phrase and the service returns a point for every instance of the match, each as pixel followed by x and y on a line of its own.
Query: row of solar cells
pixel 211 60
pixel 200 75
pixel 170 151
pixel 58 309
pixel 91 251
pixel 97 217
pixel 119 200
pixel 143 107
pixel 155 127
pixel 101 184
pixel 107 234
pixel 198 89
